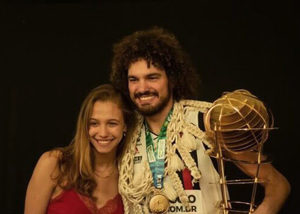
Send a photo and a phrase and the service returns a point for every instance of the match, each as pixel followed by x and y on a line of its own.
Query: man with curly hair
pixel 166 168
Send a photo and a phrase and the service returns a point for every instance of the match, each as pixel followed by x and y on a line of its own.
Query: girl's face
pixel 106 126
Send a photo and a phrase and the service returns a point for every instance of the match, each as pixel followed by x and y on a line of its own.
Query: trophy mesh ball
pixel 238 121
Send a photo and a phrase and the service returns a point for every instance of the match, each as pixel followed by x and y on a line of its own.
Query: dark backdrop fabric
pixel 54 52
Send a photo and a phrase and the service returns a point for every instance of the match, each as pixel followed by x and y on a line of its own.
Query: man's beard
pixel 148 110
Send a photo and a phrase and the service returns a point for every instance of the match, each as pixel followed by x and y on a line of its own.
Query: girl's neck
pixel 105 160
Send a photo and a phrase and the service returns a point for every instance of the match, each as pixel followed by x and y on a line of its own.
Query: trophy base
pixel 238 207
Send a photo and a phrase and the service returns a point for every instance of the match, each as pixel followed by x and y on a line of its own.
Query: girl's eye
pixel 92 124
pixel 112 124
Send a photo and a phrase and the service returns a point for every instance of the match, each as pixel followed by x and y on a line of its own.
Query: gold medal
pixel 159 204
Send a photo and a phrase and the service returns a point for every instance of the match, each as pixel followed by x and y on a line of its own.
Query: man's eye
pixel 132 80
pixel 153 78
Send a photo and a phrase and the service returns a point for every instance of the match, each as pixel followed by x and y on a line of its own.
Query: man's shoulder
pixel 198 104
pixel 195 111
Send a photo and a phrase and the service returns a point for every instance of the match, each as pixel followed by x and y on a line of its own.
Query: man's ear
pixel 171 85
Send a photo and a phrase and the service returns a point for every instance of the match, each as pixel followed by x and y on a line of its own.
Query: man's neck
pixel 156 121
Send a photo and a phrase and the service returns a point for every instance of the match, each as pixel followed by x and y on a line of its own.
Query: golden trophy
pixel 239 123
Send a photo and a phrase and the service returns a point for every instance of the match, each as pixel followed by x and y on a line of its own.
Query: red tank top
pixel 70 202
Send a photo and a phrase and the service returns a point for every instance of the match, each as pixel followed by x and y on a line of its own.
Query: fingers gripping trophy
pixel 239 123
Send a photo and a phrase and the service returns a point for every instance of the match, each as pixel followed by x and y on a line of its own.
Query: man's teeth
pixel 143 98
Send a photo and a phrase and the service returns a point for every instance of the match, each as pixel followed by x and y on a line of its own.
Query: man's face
pixel 149 88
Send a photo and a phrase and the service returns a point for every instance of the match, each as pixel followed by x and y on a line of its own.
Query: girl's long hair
pixel 76 161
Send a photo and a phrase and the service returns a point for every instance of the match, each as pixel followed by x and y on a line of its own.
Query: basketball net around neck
pixel 182 137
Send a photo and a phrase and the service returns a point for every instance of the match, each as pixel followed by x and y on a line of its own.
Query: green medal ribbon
pixel 156 156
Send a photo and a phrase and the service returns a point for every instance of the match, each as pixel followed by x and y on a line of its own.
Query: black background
pixel 54 52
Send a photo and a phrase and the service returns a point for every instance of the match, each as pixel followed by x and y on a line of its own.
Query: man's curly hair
pixel 158 47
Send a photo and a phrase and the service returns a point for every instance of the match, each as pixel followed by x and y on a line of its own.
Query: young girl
pixel 82 178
